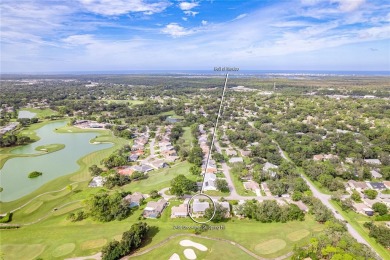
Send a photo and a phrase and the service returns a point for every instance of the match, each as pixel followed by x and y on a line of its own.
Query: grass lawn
pixel 160 179
pixel 87 237
pixel 217 193
pixel 41 113
pixel 240 187
pixel 49 148
pixel 215 249
pixel 357 220
pixel 187 136
pixel 126 101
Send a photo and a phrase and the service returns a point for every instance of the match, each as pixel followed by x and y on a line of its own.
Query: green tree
pixel 94 170
pixel 220 213
pixel 356 196
pixel 381 208
pixel 222 185
pixel 180 185
pixel 195 170
pixel 297 195
pixel 371 194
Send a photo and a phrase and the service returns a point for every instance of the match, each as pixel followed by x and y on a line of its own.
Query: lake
pixel 13 175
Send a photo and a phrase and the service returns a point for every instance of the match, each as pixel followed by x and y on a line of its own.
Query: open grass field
pixel 160 179
pixel 130 102
pixel 87 237
pixel 357 220
pixel 41 113
pixel 215 249
pixel 49 148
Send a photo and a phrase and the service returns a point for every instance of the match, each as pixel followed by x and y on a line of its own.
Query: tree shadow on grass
pixel 153 230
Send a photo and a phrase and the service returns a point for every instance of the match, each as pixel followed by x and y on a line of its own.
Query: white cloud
pixel 119 7
pixel 184 18
pixel 191 13
pixel 349 5
pixel 175 30
pixel 185 6
pixel 240 16
pixel 81 39
pixel 204 22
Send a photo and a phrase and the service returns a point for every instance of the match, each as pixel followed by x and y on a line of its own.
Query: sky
pixel 110 35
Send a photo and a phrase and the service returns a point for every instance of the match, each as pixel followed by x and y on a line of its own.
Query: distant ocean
pixel 211 72
pixel 240 72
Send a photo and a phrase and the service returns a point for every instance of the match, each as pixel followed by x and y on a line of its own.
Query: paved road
pixel 325 200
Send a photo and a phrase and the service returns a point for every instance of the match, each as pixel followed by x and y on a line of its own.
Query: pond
pixel 14 174
pixel 26 114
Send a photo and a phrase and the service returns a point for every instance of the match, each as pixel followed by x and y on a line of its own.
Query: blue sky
pixel 107 35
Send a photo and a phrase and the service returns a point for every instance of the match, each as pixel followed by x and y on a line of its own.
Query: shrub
pixel 34 174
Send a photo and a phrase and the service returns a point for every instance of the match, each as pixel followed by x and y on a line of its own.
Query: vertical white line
pixel 215 130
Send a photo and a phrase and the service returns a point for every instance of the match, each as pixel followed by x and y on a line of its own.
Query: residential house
pixel 209 182
pixel 270 169
pixel 97 181
pixel 134 199
pixel 199 208
pixel 253 186
pixel 322 157
pixel 375 174
pixel 245 153
pixel 180 211
pixel 236 160
pixel 132 157
pixel 387 184
pixel 377 185
pixel 230 152
pixel 358 185
pixel 363 209
pixel 373 161
pixel 157 163
pixel 125 171
pixel 154 209
pixel 142 168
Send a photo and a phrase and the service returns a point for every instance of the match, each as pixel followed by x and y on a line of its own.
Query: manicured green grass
pixel 49 148
pixel 357 220
pixel 187 136
pixel 21 251
pixel 41 113
pixel 160 179
pixel 386 191
pixel 248 233
pixel 270 246
pixel 131 102
pixel 217 193
pixel 240 187
pixel 215 249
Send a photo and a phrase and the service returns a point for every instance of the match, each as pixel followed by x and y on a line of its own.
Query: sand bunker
pixel 174 257
pixel 189 254
pixel 193 244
